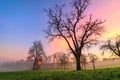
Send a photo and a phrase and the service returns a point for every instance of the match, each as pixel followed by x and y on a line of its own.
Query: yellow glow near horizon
pixel 112 33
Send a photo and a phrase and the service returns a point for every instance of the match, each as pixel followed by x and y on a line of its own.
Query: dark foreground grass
pixel 103 74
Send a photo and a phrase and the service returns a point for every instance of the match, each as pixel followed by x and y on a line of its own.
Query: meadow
pixel 99 74
pixel 105 70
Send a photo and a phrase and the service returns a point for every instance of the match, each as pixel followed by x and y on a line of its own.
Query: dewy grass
pixel 100 74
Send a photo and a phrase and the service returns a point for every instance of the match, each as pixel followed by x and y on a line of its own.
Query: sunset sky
pixel 23 21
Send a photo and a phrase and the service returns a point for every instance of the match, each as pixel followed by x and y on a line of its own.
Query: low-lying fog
pixel 16 66
pixel 27 65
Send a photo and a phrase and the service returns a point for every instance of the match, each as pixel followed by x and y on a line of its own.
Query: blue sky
pixel 22 22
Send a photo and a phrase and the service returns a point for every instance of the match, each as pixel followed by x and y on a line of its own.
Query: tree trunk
pixel 35 65
pixel 94 65
pixel 78 66
pixel 64 66
pixel 82 66
pixel 85 66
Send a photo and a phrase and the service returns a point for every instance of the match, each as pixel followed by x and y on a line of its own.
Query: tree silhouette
pixel 49 59
pixel 36 53
pixel 112 45
pixel 61 58
pixel 92 58
pixel 83 61
pixel 64 60
pixel 77 30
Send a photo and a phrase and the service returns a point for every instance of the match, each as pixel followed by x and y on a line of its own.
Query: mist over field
pixel 15 66
pixel 28 65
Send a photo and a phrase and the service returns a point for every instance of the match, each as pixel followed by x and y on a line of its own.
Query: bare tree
pixel 83 61
pixel 36 53
pixel 73 27
pixel 61 58
pixel 56 59
pixel 112 45
pixel 73 59
pixel 64 60
pixel 49 59
pixel 93 58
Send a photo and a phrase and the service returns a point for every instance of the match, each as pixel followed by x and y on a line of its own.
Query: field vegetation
pixel 99 74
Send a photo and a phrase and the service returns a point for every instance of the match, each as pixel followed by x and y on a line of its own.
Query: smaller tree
pixel 36 52
pixel 61 58
pixel 73 60
pixel 49 59
pixel 92 58
pixel 112 46
pixel 64 60
pixel 83 61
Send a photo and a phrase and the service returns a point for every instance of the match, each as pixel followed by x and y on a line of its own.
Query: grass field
pixel 99 74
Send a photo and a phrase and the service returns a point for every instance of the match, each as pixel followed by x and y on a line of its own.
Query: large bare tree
pixel 36 52
pixel 112 45
pixel 76 29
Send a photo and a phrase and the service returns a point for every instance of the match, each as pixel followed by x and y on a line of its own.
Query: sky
pixel 22 22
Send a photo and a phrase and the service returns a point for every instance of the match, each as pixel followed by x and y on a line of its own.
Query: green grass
pixel 100 74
